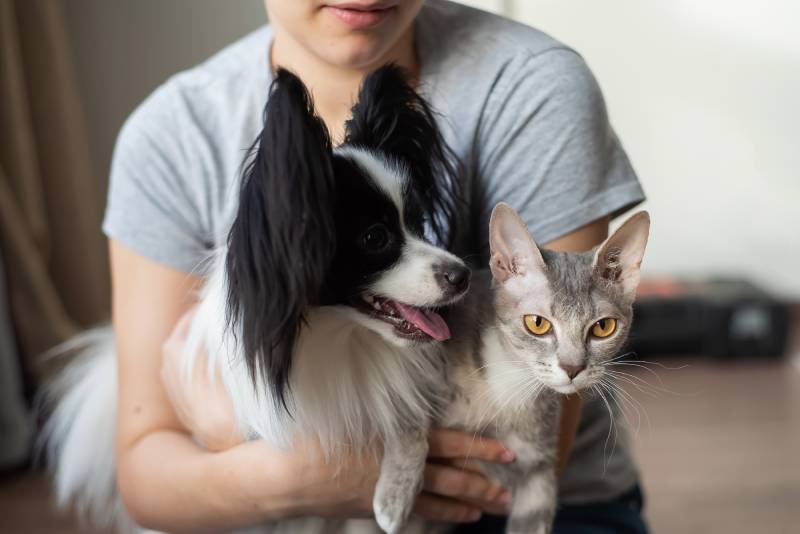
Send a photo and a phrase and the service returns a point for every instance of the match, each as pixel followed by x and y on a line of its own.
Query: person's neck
pixel 335 88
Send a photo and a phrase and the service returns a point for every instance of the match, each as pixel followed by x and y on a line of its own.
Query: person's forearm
pixel 169 483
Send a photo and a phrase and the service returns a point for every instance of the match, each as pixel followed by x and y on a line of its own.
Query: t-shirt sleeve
pixel 152 206
pixel 547 147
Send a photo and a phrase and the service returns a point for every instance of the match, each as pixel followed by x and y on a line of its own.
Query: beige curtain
pixel 51 196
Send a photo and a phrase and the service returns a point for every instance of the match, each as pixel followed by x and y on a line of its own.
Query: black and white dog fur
pixel 320 312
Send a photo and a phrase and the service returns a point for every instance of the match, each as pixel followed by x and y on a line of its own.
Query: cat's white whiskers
pixel 620 356
pixel 657 364
pixel 643 365
pixel 633 403
pixel 637 382
pixel 627 397
pixel 533 393
pixel 611 427
pixel 612 390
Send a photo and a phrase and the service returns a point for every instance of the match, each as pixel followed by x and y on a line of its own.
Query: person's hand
pixel 200 402
pixel 455 489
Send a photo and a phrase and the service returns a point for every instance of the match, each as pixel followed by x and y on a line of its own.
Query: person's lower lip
pixel 360 19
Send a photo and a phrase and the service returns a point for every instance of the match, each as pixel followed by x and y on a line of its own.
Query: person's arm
pixel 167 482
pixel 582 239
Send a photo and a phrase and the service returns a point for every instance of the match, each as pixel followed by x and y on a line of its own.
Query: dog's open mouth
pixel 410 322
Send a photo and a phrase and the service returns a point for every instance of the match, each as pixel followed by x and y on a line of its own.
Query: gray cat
pixel 541 325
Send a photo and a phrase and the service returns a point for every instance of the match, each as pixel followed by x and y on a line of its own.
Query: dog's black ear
pixel 283 239
pixel 391 117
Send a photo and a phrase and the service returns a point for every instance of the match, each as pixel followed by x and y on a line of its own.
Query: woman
pixel 524 114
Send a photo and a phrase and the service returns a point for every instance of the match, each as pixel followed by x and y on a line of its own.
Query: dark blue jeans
pixel 623 515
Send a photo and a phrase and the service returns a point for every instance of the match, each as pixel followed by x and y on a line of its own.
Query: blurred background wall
pixel 705 98
pixel 123 50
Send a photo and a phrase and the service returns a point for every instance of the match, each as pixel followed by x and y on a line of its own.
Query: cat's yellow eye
pixel 604 327
pixel 537 325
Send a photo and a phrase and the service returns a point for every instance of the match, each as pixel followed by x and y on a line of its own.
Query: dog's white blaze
pixel 385 175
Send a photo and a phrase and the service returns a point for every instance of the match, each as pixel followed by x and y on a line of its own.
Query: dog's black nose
pixel 456 277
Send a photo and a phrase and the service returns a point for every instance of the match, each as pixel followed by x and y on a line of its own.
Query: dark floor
pixel 724 454
pixel 721 453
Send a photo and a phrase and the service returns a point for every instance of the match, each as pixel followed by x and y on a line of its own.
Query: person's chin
pixel 358 52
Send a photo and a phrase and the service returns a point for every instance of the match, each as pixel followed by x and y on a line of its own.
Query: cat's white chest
pixel 492 401
pixel 526 451
pixel 490 398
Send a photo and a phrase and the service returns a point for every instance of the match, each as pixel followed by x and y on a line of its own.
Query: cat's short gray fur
pixel 508 383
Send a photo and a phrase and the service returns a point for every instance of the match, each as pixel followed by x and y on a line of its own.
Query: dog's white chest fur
pixel 349 386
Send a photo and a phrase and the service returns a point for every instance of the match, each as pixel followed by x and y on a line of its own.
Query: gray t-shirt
pixel 521 110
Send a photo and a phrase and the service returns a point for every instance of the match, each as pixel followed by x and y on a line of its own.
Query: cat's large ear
pixel 513 251
pixel 618 259
pixel 283 239
pixel 392 118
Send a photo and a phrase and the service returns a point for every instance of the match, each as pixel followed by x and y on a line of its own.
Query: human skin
pixel 331 56
pixel 170 483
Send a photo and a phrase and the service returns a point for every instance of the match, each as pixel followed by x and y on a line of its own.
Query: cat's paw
pixel 390 523
pixel 393 502
pixel 400 481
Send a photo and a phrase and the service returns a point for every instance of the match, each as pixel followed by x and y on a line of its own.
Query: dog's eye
pixel 376 238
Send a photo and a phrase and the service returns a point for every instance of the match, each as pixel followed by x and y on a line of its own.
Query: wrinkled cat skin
pixel 507 382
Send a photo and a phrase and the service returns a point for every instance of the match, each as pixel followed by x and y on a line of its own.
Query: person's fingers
pixel 489 507
pixel 465 485
pixel 460 463
pixel 447 443
pixel 435 508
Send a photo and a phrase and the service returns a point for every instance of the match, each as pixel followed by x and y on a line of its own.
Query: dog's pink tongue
pixel 429 322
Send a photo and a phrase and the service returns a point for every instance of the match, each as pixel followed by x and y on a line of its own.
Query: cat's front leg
pixel 533 504
pixel 400 480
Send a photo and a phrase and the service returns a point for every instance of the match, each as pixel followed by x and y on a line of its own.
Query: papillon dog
pixel 321 313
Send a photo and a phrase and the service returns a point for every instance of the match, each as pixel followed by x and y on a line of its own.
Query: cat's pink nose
pixel 572 370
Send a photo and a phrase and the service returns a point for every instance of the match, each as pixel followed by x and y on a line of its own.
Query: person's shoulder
pixel 503 61
pixel 476 35
pixel 230 65
pixel 201 96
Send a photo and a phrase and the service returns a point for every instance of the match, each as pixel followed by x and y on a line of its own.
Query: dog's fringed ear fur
pixel 392 118
pixel 283 238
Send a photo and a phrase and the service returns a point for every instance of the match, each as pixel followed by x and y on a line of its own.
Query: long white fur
pixel 79 435
pixel 351 387
pixel 337 364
